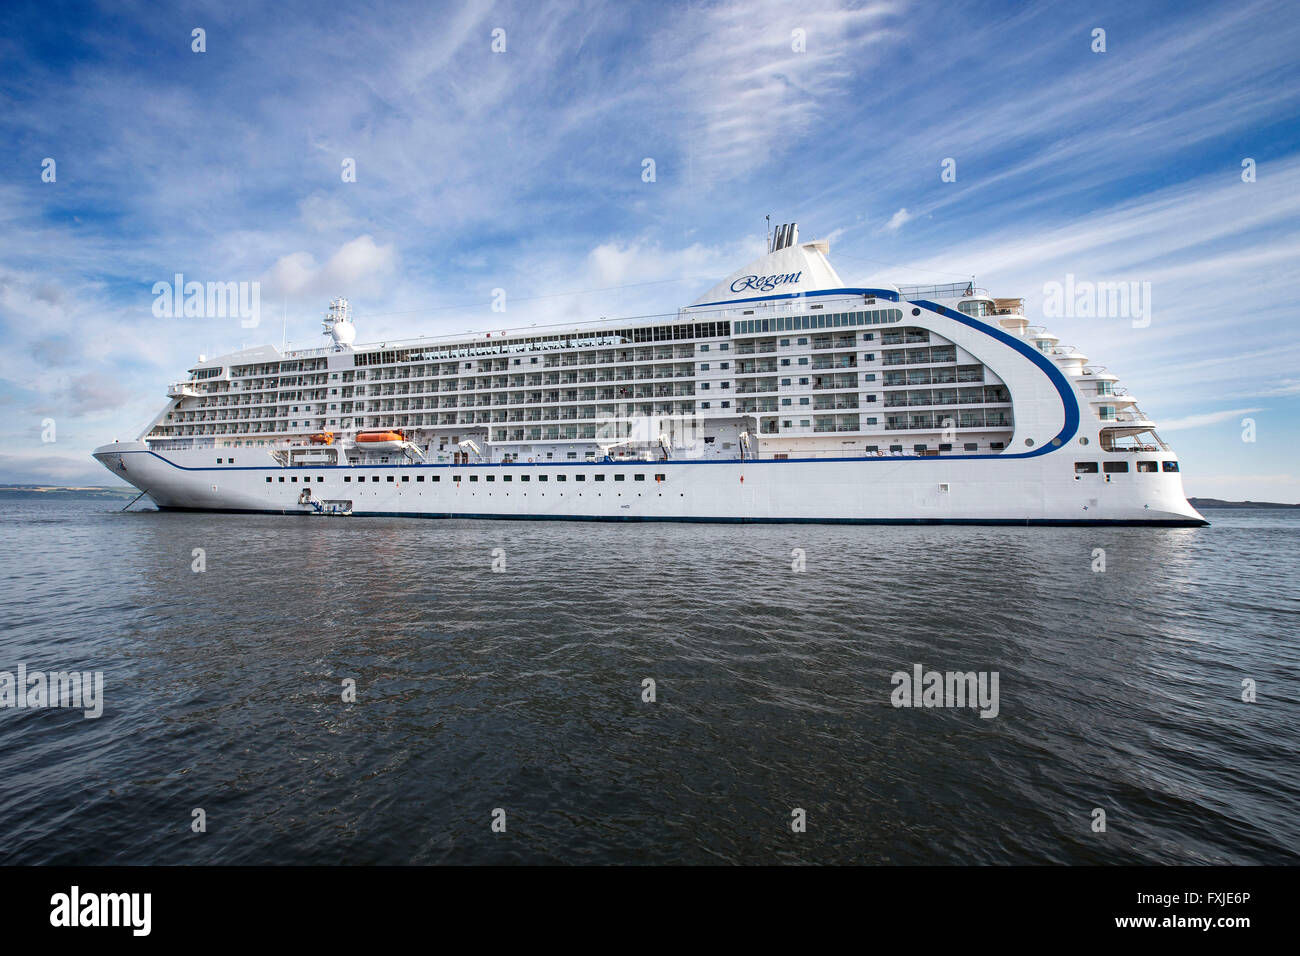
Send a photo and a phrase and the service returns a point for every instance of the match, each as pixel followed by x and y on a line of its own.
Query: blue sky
pixel 522 170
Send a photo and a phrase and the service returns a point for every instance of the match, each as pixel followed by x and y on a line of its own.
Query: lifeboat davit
pixel 324 438
pixel 381 441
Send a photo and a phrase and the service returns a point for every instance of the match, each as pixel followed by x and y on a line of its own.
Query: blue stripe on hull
pixel 1018 522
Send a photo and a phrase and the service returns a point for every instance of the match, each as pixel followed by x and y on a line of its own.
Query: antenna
pixel 769 232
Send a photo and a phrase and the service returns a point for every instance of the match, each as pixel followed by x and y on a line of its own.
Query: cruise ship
pixel 780 395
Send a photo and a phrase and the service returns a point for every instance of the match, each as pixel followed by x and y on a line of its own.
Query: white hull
pixel 991 490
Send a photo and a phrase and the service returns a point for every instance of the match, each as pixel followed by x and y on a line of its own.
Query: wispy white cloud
pixel 1205 418
pixel 897 220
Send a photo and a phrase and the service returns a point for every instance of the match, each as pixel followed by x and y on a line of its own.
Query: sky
pixel 524 168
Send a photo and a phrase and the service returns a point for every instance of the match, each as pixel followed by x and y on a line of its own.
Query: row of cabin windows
pixel 420 478
pixel 833 320
pixel 1121 467
pixel 922 449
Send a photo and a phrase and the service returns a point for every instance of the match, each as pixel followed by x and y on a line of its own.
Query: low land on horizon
pixel 67 491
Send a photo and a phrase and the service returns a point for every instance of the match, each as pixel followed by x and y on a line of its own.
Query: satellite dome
pixel 338 323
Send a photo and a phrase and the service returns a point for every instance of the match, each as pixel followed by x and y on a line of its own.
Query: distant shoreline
pixel 66 491
pixel 1220 503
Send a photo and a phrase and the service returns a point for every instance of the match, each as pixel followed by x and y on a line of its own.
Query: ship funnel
pixel 786 236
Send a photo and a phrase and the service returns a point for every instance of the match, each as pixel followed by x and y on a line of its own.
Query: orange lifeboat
pixel 368 437
pixel 381 441
pixel 324 438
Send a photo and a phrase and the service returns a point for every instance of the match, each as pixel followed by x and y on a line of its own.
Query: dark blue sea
pixel 518 694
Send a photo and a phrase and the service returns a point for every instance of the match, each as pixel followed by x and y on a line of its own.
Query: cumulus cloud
pixel 355 267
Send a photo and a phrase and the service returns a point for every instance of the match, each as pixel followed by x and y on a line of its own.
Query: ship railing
pixel 947 290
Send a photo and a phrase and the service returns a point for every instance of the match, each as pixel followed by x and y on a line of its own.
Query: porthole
pixel 1029 443
pixel 916 311
pixel 1056 442
pixel 1083 441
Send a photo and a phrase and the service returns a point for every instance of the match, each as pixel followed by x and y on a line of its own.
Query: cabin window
pixel 506 478
pixel 599 477
pixel 347 477
pixel 294 479
pixel 543 477
pixel 579 477
pixel 1085 467
pixel 620 477
pixel 473 477
pixel 1170 465
pixel 390 478
pixel 1147 466
pixel 561 478
pixel 419 478
pixel 971 446
pixel 268 479
pixel 639 477
pixel 525 477
pixel 1114 467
